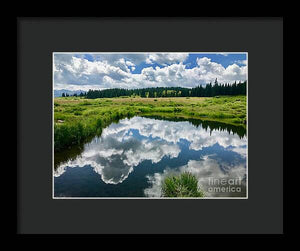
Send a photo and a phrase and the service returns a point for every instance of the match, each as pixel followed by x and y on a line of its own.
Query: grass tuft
pixel 184 185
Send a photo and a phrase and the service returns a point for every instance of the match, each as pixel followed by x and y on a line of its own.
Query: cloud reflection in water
pixel 124 146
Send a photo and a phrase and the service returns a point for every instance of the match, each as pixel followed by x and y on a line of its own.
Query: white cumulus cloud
pixel 116 71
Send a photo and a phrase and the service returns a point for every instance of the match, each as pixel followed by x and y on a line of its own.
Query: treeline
pixel 81 94
pixel 209 90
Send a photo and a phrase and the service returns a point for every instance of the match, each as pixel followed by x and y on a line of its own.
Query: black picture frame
pixel 261 213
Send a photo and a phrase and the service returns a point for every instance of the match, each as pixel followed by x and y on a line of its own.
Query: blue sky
pixel 83 71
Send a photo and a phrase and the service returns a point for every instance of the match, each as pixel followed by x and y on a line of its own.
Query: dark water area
pixel 131 158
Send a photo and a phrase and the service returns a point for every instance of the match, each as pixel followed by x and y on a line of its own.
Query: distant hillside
pixel 58 93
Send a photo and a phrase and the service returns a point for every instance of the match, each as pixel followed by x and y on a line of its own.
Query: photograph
pixel 150 125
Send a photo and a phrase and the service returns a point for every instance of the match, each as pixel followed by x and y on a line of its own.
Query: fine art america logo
pixel 224 185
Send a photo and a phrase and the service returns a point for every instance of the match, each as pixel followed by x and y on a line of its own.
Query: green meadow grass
pixel 77 119
pixel 183 185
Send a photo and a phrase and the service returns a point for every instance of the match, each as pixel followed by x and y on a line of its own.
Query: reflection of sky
pixel 204 169
pixel 123 147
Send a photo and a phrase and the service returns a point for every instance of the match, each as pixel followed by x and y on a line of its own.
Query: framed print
pixel 126 124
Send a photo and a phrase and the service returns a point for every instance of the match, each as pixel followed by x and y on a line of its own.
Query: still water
pixel 132 157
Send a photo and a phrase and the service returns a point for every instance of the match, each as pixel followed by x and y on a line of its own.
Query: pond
pixel 131 158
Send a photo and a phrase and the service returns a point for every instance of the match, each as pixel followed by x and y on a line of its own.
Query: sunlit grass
pixel 77 118
pixel 183 185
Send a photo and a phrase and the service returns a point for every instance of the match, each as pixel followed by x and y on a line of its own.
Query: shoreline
pixel 78 119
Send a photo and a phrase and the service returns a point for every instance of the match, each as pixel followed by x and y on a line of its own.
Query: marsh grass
pixel 183 185
pixel 83 118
